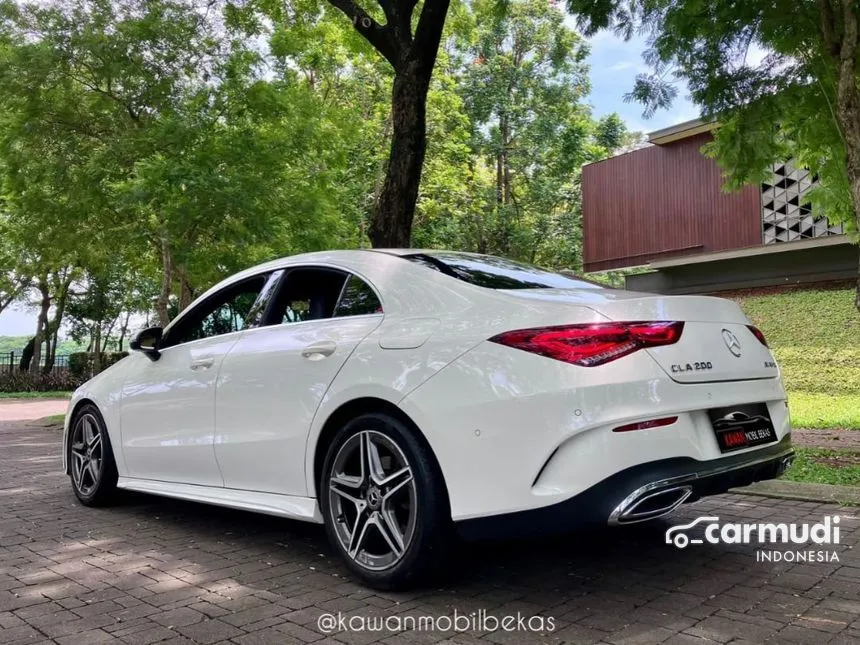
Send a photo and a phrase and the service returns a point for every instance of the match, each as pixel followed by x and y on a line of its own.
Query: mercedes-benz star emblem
pixel 732 342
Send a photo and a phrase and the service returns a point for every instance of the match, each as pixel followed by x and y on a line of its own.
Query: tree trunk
pixel 377 184
pixel 41 325
pixel 848 102
pixel 503 172
pixel 97 349
pixel 857 290
pixel 59 312
pixel 500 188
pixel 391 226
pixel 26 355
pixel 850 121
pixel 166 283
pixel 123 330
pixel 185 295
pixel 106 340
pixel 413 56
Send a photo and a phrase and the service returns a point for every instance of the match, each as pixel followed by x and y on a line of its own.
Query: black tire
pixel 98 490
pixel 429 534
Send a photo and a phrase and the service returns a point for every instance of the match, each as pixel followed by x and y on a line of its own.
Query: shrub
pixel 81 363
pixel 23 381
pixel 59 379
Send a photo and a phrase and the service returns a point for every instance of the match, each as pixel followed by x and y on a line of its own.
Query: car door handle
pixel 316 351
pixel 202 363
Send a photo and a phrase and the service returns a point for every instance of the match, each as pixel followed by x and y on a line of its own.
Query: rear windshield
pixel 497 273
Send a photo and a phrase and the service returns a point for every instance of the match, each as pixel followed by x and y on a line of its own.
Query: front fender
pixel 104 391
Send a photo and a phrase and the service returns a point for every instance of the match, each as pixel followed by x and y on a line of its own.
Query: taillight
pixel 645 425
pixel 757 333
pixel 592 344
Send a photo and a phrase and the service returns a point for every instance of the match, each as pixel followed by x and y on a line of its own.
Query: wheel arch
pixel 78 405
pixel 67 432
pixel 357 407
pixel 70 418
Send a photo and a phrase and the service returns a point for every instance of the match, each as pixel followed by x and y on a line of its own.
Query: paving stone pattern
pixel 151 570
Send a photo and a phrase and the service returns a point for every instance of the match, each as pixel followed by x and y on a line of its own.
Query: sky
pixel 614 65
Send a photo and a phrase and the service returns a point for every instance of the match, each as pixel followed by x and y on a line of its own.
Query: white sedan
pixel 399 395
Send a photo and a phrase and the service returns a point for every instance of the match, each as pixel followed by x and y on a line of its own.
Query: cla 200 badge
pixel 692 367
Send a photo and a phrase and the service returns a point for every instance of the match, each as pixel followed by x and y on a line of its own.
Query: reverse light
pixel 644 425
pixel 757 333
pixel 592 344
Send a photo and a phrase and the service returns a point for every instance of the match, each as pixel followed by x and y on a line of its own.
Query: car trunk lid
pixel 716 345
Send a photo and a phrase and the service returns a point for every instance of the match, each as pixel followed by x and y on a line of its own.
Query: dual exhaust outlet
pixel 648 504
pixel 661 498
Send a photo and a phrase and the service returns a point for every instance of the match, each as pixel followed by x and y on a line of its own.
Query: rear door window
pixel 357 299
pixel 308 293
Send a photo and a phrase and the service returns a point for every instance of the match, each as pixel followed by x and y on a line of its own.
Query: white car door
pixel 275 377
pixel 167 412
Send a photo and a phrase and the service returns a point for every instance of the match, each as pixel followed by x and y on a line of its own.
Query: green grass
pixel 35 395
pixel 819 466
pixel 53 420
pixel 813 410
pixel 815 336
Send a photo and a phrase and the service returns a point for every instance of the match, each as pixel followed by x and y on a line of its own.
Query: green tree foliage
pixel 13 278
pixel 611 132
pixel 517 132
pixel 149 148
pixel 150 130
pixel 800 98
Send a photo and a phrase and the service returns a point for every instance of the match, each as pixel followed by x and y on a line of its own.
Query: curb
pixel 800 491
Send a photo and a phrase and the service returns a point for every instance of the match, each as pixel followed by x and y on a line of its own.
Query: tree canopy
pixel 149 148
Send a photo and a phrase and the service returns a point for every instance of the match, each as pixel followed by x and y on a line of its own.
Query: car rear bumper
pixel 513 431
pixel 642 492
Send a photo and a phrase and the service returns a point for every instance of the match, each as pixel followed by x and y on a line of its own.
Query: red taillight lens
pixel 757 333
pixel 592 344
pixel 645 425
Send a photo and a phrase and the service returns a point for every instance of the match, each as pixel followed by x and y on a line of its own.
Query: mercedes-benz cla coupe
pixel 400 396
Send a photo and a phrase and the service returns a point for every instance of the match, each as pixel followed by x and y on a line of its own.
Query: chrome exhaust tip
pixel 647 503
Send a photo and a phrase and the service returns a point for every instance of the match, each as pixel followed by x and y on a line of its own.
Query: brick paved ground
pixel 153 570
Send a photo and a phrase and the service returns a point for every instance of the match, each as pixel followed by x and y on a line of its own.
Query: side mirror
pixel 147 342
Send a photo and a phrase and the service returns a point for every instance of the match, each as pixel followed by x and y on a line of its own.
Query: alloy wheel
pixel 87 454
pixel 372 499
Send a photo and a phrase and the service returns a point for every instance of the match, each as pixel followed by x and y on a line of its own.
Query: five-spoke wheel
pixel 384 505
pixel 91 464
pixel 372 497
pixel 87 449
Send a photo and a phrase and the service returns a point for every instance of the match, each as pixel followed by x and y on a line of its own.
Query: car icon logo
pixel 675 534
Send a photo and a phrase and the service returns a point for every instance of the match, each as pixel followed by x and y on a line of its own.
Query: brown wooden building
pixel 662 208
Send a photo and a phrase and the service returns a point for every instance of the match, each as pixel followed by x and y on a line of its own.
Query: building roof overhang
pixel 752 251
pixel 826 259
pixel 680 131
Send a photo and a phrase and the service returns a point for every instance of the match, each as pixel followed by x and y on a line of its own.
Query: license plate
pixel 742 426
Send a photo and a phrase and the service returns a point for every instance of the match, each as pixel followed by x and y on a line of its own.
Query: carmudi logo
pixel 713 531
